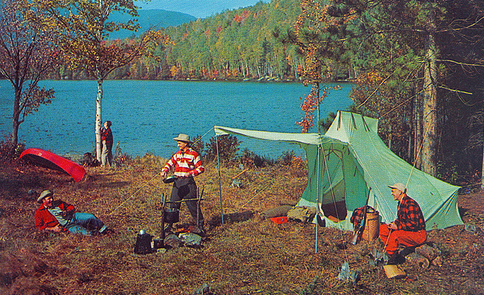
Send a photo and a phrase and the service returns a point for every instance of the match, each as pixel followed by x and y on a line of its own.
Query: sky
pixel 197 8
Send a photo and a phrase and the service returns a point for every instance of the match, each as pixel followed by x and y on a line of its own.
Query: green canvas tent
pixel 351 163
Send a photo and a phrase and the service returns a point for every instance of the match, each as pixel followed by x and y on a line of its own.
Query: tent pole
pixel 318 204
pixel 219 183
pixel 318 163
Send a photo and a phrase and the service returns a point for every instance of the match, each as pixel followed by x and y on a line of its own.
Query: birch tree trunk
pixel 98 123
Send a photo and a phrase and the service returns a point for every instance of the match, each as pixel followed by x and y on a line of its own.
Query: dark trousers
pixel 186 188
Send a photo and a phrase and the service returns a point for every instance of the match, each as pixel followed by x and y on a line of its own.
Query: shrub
pixel 8 151
pixel 228 147
pixel 198 145
pixel 250 159
pixel 287 158
pixel 120 158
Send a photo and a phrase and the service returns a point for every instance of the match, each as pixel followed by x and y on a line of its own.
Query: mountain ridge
pixel 150 18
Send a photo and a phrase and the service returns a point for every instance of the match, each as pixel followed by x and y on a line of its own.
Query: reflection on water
pixel 147 115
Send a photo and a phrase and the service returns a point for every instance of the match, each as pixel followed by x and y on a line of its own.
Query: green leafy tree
pixel 27 54
pixel 393 48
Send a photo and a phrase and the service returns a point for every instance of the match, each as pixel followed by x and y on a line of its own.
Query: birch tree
pixel 83 29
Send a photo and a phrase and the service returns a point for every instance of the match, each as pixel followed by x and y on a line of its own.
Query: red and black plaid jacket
pixel 409 215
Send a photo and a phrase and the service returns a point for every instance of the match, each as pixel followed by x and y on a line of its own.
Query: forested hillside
pixel 236 44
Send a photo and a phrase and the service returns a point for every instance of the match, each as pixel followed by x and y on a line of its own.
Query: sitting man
pixel 58 216
pixel 407 230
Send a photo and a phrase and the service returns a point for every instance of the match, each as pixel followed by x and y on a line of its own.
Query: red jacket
pixel 44 219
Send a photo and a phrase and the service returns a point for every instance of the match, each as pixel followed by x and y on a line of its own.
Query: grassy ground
pixel 245 255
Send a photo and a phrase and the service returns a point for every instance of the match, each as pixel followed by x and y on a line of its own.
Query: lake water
pixel 147 115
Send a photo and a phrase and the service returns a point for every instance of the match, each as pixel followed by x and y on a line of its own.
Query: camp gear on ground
pixel 301 213
pixel 190 239
pixel 349 159
pixel 172 241
pixel 276 212
pixel 279 219
pixel 371 229
pixel 394 271
pixel 157 243
pixel 358 218
pixel 143 243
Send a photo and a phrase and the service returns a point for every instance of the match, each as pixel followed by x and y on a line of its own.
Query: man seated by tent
pixel 58 216
pixel 407 230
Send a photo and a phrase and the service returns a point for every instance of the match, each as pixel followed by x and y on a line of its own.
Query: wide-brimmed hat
pixel 43 195
pixel 182 137
pixel 399 186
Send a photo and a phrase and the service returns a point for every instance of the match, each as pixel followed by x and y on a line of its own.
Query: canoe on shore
pixel 50 160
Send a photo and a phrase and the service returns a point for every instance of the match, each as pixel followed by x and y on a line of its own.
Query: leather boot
pixel 395 259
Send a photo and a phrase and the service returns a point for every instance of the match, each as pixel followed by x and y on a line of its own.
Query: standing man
pixel 187 164
pixel 407 230
pixel 58 216
pixel 107 141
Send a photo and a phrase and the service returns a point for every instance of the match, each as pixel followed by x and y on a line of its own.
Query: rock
pixel 418 259
pixel 428 251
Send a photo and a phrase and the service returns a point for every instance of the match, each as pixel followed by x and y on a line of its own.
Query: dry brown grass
pixel 242 256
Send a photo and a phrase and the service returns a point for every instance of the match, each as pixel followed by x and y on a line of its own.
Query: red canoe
pixel 53 161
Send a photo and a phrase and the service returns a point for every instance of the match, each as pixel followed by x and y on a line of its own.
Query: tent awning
pixel 298 138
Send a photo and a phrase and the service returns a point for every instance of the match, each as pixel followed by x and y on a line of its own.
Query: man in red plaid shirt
pixel 187 164
pixel 407 230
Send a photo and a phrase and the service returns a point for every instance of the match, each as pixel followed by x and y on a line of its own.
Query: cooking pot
pixel 172 215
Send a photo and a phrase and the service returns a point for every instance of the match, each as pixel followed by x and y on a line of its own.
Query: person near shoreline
pixel 408 230
pixel 186 164
pixel 59 216
pixel 107 145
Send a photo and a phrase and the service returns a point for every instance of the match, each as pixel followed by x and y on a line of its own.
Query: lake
pixel 147 115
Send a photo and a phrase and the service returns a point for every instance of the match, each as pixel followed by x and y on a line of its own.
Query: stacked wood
pixel 425 256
